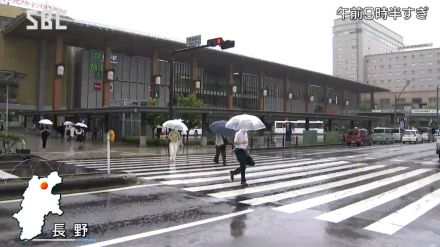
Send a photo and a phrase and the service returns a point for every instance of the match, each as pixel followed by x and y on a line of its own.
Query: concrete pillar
pixel 307 127
pixel 56 94
pixel 41 95
pixel 326 104
pixel 330 125
pixel 204 139
pixel 155 70
pixel 372 100
pixel 143 130
pixel 262 85
pixel 229 94
pixel 342 101
pixel 194 78
pixel 307 98
pixel 285 93
pixel 370 127
pixel 106 82
pixel 351 124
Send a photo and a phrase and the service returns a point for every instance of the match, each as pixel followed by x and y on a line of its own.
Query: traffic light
pixel 227 44
pixel 214 42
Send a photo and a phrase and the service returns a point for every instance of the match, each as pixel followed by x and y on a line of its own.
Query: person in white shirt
pixel 241 144
pixel 220 147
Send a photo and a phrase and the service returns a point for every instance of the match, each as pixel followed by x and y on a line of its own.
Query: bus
pixel 298 127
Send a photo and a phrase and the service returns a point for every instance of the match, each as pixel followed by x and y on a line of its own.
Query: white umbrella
pixel 45 121
pixel 81 125
pixel 246 122
pixel 68 123
pixel 175 124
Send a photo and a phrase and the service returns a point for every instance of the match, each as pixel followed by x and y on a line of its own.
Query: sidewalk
pixel 61 149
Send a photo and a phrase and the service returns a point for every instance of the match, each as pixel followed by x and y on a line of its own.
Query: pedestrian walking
pixel 220 147
pixel 94 133
pixel 45 133
pixel 72 133
pixel 241 144
pixel 80 137
pixel 175 141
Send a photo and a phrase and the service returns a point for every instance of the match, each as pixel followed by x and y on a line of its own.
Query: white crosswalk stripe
pixel 301 182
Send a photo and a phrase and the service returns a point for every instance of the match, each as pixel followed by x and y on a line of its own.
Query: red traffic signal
pixel 214 42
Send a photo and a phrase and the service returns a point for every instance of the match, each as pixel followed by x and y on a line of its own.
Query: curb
pixel 73 183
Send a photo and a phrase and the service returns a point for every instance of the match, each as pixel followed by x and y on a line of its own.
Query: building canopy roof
pixel 10 77
pixel 92 36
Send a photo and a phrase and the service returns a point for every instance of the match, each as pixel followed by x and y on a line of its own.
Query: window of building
pixel 413 56
pixel 397 66
pixel 397 58
pixel 389 59
pixel 389 81
pixel 381 59
pixel 430 55
pixel 389 73
pixel 389 66
pixel 438 62
pixel 413 64
pixel 381 81
pixel 421 55
pixel 397 80
pixel 430 71
pixel 429 63
pixel 381 66
pixel 367 60
pixel 413 71
pixel 422 71
pixel 432 100
pixel 404 57
pixel 397 73
pixel 405 64
pixel 404 72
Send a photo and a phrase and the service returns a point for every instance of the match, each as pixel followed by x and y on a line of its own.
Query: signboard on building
pixel 97 86
pixel 194 41
pixel 424 111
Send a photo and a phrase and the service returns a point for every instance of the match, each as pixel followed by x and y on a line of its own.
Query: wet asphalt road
pixel 170 208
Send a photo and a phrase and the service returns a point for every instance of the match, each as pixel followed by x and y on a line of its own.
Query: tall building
pixel 353 40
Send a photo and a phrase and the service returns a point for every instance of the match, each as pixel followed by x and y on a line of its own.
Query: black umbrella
pixel 218 127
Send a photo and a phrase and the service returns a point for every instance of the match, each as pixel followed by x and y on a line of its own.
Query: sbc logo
pixel 45 20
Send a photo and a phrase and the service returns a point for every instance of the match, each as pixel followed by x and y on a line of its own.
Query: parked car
pixel 382 135
pixel 358 136
pixel 412 136
pixel 398 134
pixel 426 134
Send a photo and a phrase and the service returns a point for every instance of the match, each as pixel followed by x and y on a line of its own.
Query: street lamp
pixel 197 84
pixel 397 98
pixel 110 74
pixel 157 79
pixel 264 92
pixel 234 89
pixel 312 98
pixel 330 100
pixel 290 95
pixel 347 102
pixel 60 69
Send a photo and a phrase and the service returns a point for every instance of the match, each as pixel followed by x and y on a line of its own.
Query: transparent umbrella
pixel 45 121
pixel 176 124
pixel 246 122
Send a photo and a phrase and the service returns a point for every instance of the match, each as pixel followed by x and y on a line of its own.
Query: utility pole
pixel 396 98
pixel 438 126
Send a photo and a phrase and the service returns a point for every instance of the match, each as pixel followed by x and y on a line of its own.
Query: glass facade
pixel 246 96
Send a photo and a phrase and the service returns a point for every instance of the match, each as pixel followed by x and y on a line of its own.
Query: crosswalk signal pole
pixel 108 152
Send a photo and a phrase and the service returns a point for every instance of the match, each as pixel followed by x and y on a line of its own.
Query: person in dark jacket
pixel 45 133
pixel 220 147
pixel 241 145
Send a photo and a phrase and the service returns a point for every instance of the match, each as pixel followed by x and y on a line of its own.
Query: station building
pixel 228 83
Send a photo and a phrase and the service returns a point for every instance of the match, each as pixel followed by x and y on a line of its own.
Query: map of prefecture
pixel 37 203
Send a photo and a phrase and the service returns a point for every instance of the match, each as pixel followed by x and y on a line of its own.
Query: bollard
pixel 252 143
pixel 296 140
pixel 268 141
pixel 283 141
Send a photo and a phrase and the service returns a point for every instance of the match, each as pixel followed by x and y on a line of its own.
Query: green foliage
pixel 131 139
pixel 153 118
pixel 364 106
pixel 8 140
pixel 157 142
pixel 191 101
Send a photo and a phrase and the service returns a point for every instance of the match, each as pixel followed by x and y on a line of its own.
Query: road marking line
pixel 351 210
pixel 166 230
pixel 304 172
pixel 399 219
pixel 295 193
pixel 274 186
pixel 253 174
pixel 94 192
pixel 269 166
pixel 316 201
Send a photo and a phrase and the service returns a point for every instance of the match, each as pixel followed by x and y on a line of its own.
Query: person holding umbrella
pixel 45 133
pixel 80 134
pixel 242 123
pixel 220 147
pixel 175 140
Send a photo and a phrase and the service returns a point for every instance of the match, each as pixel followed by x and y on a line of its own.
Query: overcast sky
pixel 297 33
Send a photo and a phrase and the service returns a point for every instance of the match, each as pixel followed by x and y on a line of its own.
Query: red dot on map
pixel 44 185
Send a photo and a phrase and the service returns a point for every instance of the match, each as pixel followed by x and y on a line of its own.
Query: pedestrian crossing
pixel 336 189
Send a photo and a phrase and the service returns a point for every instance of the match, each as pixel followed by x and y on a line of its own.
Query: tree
pixel 364 106
pixel 191 101
pixel 8 140
pixel 154 118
